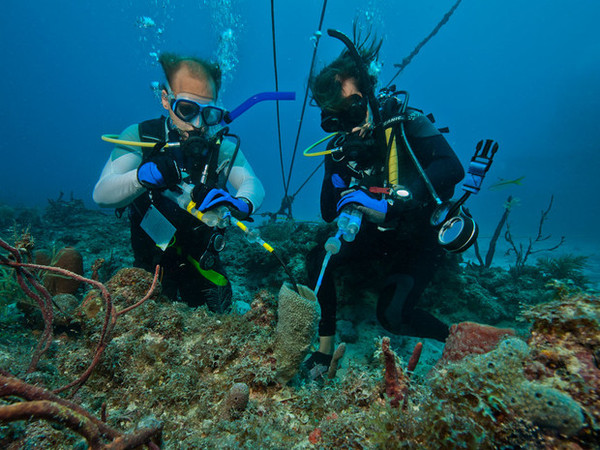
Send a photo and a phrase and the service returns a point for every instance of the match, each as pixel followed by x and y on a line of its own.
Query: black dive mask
pixel 351 116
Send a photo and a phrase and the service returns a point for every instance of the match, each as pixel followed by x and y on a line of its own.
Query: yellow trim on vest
pixel 393 159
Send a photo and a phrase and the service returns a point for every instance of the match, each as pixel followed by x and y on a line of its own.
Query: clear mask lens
pixel 191 111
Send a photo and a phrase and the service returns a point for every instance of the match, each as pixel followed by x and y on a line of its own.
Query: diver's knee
pixel 314 260
pixel 392 302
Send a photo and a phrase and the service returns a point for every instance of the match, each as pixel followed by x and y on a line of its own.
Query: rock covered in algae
pixel 126 287
pixel 475 398
pixel 565 338
pixel 298 316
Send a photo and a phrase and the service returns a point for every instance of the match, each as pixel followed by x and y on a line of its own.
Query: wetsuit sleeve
pixel 118 185
pixel 440 163
pixel 330 194
pixel 242 177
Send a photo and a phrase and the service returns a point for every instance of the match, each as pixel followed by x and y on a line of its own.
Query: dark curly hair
pixel 326 87
pixel 172 62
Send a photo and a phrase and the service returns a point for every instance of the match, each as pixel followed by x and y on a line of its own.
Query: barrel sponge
pixel 549 408
pixel 298 316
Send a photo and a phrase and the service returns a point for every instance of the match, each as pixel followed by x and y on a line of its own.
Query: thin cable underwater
pixel 277 89
pixel 312 65
pixel 406 61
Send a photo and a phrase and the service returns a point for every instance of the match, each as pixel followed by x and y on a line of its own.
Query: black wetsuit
pixel 404 248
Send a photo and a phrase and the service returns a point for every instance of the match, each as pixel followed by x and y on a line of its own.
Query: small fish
pixel 503 183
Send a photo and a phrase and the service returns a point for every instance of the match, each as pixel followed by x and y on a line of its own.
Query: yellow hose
pixel 114 139
pixel 320 141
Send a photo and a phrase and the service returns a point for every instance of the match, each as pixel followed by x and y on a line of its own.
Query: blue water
pixel 523 73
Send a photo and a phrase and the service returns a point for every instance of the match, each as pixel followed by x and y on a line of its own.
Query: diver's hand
pixel 374 209
pixel 159 172
pixel 216 197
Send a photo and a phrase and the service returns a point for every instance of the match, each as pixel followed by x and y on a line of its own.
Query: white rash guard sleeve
pixel 118 185
pixel 242 177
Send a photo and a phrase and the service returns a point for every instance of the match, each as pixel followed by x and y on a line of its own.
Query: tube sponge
pixel 235 402
pixel 298 316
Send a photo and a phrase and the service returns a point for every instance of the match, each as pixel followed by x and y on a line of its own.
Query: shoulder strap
pixel 153 130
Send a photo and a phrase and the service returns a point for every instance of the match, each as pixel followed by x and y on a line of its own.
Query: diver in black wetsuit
pixel 396 206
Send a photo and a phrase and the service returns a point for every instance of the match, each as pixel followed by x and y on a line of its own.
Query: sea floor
pixel 171 364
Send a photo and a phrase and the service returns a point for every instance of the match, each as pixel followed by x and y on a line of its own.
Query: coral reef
pixel 64 212
pixel 40 404
pixel 212 379
pixel 396 381
pixel 566 267
pixel 481 398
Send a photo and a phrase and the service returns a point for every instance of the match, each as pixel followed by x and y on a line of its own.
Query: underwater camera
pixel 458 231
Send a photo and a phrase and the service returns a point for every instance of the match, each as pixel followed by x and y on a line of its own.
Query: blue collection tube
pixel 330 251
pixel 323 267
pixel 263 96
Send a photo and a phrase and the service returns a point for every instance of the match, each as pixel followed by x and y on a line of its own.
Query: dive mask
pixel 191 111
pixel 351 116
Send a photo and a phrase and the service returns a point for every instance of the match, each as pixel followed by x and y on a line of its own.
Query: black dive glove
pixel 159 172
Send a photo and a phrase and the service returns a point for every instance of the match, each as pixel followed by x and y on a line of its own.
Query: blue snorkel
pixel 263 96
pixel 245 106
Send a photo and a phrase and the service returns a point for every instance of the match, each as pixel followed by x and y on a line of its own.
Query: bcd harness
pixel 198 159
pixel 456 229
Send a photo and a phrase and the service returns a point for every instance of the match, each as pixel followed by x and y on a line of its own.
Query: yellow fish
pixel 502 183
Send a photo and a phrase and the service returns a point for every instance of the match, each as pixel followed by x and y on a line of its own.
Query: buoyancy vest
pixel 192 235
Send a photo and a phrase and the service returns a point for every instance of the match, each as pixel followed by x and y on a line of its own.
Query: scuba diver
pixel 388 195
pixel 187 149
